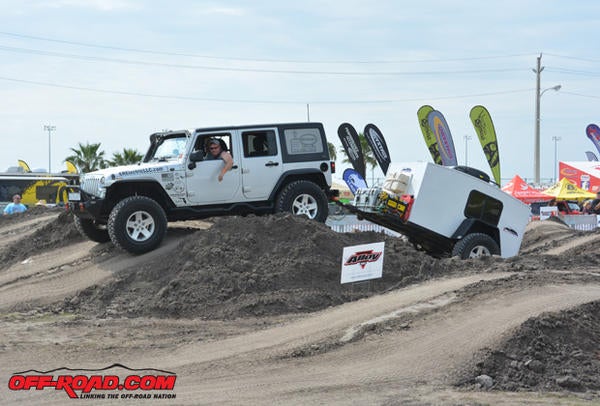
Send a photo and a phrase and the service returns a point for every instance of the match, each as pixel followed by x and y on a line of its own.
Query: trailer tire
pixel 90 229
pixel 303 197
pixel 137 224
pixel 475 245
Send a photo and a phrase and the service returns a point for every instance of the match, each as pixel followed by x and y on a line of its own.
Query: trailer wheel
pixel 303 198
pixel 475 245
pixel 90 229
pixel 137 224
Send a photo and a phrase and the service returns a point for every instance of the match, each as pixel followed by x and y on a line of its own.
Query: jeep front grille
pixel 91 184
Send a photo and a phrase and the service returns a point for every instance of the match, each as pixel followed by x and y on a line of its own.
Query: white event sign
pixel 362 262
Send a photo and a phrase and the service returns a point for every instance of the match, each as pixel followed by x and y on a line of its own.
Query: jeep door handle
pixel 234 167
pixel 271 163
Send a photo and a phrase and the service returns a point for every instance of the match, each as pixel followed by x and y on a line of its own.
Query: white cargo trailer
pixel 446 211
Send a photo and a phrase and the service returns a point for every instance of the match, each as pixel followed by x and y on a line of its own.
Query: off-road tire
pixel 88 228
pixel 475 245
pixel 303 197
pixel 137 224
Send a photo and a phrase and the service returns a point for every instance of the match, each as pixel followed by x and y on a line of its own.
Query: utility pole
pixel 49 128
pixel 536 143
pixel 538 96
pixel 467 138
pixel 555 139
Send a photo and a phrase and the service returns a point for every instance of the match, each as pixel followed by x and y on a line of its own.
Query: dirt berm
pixel 250 310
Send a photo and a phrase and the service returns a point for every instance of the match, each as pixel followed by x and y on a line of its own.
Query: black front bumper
pixel 88 207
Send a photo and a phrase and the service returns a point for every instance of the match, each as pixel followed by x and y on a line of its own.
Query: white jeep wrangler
pixel 277 167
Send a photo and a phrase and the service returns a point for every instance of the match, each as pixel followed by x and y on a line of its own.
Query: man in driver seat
pixel 216 151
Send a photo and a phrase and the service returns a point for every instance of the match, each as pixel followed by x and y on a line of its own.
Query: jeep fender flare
pixel 149 188
pixel 314 175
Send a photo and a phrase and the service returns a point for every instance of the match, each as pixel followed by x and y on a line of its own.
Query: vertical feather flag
pixel 351 144
pixel 593 133
pixel 24 165
pixel 378 146
pixel 591 156
pixel 430 140
pixel 484 127
pixel 443 137
pixel 354 180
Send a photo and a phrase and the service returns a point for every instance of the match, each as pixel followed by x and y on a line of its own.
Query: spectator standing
pixel 596 204
pixel 16 206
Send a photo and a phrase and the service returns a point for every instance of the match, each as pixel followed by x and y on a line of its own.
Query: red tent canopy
pixel 525 193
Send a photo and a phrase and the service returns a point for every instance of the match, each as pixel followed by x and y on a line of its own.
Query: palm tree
pixel 367 153
pixel 332 151
pixel 87 158
pixel 127 157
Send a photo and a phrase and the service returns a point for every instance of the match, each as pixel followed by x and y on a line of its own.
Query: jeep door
pixel 203 186
pixel 261 164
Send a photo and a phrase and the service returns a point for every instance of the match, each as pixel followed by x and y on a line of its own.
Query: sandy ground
pixel 280 329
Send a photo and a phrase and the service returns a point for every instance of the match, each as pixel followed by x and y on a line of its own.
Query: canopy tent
pixel 565 190
pixel 518 188
pixel 345 193
pixel 584 174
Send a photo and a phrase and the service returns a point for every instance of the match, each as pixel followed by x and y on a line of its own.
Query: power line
pixel 193 98
pixel 574 71
pixel 575 58
pixel 230 58
pixel 230 69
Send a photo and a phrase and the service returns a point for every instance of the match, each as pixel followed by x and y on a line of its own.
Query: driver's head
pixel 214 146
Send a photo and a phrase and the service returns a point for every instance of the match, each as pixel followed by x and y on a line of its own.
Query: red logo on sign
pixel 363 257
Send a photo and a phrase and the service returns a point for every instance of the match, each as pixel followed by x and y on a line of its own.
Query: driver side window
pixel 202 142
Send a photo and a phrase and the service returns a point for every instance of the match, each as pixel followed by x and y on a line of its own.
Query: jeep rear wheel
pixel 90 229
pixel 475 245
pixel 303 198
pixel 137 224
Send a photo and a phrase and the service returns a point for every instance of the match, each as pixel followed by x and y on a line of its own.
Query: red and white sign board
pixel 585 174
pixel 362 262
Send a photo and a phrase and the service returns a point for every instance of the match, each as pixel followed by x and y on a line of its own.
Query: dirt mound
pixel 34 211
pixel 56 233
pixel 256 266
pixel 553 352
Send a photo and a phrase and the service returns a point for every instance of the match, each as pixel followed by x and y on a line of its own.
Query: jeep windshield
pixel 166 147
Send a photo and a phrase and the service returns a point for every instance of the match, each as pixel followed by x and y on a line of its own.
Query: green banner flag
pixel 429 136
pixel 482 121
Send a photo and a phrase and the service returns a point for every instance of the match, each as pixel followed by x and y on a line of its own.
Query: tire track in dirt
pixel 430 352
pixel 22 229
pixel 51 276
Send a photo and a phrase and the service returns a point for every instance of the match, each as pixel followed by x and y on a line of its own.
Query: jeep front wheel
pixel 90 229
pixel 303 198
pixel 137 224
pixel 475 245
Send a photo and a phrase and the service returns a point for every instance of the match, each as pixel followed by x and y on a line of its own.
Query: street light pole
pixel 467 138
pixel 49 128
pixel 538 96
pixel 555 139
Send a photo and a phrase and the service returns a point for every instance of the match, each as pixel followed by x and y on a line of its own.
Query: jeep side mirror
pixel 192 165
pixel 197 156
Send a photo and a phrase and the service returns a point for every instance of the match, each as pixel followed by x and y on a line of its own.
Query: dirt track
pixel 419 336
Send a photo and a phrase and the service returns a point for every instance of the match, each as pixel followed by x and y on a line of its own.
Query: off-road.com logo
pixel 363 257
pixel 82 385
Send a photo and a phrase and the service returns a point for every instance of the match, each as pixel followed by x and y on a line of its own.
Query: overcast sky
pixel 114 71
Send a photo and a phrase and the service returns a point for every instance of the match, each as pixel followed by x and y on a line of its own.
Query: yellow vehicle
pixel 37 186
